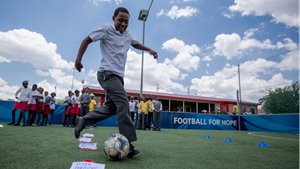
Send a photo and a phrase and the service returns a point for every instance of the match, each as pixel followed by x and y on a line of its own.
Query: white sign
pixel 85 165
pixel 88 146
pixel 88 135
pixel 86 140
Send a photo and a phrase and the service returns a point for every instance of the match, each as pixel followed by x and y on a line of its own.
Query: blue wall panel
pixel 288 123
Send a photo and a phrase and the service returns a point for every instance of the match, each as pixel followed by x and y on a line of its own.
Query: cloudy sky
pixel 200 44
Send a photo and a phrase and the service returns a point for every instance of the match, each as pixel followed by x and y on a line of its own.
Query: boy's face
pixel 87 90
pixel 121 21
pixel 46 93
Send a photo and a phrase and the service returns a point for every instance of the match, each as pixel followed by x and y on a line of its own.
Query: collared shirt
pixel 143 107
pixel 25 95
pixel 131 106
pixel 52 106
pixel 66 100
pixel 42 99
pixel 114 47
pixel 160 106
pixel 92 105
pixel 33 96
pixel 149 105
pixel 75 99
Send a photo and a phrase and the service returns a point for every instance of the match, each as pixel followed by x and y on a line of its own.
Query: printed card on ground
pixel 88 146
pixel 85 140
pixel 85 165
pixel 88 135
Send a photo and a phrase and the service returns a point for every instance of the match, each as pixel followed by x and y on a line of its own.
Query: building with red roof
pixel 183 103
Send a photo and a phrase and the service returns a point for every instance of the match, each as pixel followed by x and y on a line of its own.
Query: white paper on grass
pixel 87 140
pixel 88 135
pixel 85 165
pixel 92 146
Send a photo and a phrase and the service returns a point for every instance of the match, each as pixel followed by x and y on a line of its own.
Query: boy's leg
pixel 117 103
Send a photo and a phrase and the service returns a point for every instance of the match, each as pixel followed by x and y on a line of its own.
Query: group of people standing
pixel 33 100
pixel 146 111
pixel 78 105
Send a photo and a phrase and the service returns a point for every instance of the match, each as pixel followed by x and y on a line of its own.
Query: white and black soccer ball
pixel 116 147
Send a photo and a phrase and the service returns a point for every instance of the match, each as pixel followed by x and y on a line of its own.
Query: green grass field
pixel 56 147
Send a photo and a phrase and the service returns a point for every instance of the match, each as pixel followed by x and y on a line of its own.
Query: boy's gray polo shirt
pixel 114 47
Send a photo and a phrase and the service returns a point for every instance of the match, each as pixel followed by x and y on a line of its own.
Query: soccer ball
pixel 116 147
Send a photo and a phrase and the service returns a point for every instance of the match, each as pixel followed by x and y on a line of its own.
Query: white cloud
pixel 3 59
pixel 207 58
pixel 184 58
pixel 207 64
pixel 250 32
pixel 2 82
pixel 154 73
pixel 92 73
pixel 176 13
pixel 96 2
pixel 26 46
pixel 231 45
pixel 183 76
pixel 42 73
pixel 224 83
pixel 282 11
pixel 160 13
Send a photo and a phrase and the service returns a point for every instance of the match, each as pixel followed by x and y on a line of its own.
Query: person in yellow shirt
pixel 92 105
pixel 150 110
pixel 144 111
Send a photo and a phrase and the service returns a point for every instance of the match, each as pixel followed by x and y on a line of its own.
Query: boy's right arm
pixel 84 44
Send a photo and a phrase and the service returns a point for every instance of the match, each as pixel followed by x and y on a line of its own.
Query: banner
pixel 282 123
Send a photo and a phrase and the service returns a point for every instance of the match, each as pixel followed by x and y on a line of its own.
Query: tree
pixel 282 100
pixel 60 101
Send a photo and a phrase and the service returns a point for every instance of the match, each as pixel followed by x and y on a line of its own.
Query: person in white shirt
pixel 22 104
pixel 41 105
pixel 76 107
pixel 131 108
pixel 52 106
pixel 32 106
pixel 115 41
pixel 157 108
pixel 67 99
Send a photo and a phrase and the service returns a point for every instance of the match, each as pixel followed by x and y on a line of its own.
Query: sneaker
pixel 11 123
pixel 132 151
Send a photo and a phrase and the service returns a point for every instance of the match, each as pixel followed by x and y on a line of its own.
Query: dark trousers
pixel 156 118
pixel 132 116
pixel 64 118
pixel 136 120
pixel 116 103
pixel 143 120
pixel 84 110
pixel 150 114
pixel 52 114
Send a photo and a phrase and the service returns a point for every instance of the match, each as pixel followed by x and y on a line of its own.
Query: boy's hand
pixel 78 66
pixel 152 52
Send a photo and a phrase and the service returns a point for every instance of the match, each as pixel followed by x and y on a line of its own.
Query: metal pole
pixel 73 79
pixel 237 97
pixel 141 90
pixel 240 110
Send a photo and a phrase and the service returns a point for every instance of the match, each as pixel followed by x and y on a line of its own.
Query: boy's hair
pixel 120 9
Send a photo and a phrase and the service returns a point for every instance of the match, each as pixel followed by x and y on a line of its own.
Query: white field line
pixel 271 137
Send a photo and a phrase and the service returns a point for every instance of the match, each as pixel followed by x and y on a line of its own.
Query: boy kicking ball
pixel 115 41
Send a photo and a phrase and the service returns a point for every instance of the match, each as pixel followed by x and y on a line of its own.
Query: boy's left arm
pixel 142 47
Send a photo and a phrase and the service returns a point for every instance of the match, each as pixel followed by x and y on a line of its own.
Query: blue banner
pixel 283 123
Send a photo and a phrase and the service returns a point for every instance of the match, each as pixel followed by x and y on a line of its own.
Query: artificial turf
pixel 56 147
